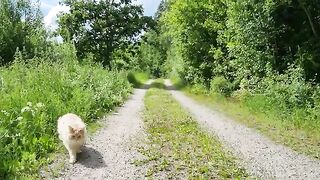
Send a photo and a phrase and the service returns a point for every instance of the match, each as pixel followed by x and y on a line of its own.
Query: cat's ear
pixel 71 130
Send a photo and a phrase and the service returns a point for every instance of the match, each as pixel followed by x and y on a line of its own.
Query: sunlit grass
pixel 178 147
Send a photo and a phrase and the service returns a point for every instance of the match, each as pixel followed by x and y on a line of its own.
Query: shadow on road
pixel 145 86
pixel 91 158
pixel 152 84
pixel 170 87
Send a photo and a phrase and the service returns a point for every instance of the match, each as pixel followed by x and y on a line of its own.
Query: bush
pixel 220 85
pixel 34 94
pixel 289 90
pixel 286 96
pixel 137 78
pixel 198 88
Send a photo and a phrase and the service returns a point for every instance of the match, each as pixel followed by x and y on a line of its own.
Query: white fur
pixel 73 146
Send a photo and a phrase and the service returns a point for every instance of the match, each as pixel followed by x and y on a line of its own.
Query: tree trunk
pixel 309 18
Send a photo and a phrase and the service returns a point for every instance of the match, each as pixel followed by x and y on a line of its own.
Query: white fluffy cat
pixel 72 131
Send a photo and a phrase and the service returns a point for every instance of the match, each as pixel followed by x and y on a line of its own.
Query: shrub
pixel 198 88
pixel 287 90
pixel 220 85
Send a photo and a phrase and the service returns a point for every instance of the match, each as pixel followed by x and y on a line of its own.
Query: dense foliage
pixel 21 28
pixel 264 53
pixel 101 27
pixel 151 56
pixel 34 94
pixel 242 40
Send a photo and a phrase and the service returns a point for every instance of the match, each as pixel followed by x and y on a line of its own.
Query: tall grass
pixel 34 93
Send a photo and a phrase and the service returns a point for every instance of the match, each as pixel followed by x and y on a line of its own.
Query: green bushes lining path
pixel 32 97
pixel 259 57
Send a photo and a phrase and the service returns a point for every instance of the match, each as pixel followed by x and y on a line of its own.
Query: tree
pixel 100 27
pixel 192 27
pixel 21 28
pixel 161 9
pixel 152 53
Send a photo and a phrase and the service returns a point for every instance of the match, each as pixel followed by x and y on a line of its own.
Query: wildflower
pixel 29 104
pixel 5 112
pixel 33 113
pixel 19 118
pixel 25 109
pixel 39 105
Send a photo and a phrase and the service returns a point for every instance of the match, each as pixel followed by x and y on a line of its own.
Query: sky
pixel 50 9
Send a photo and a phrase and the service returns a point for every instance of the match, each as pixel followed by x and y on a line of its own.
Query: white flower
pixel 19 118
pixel 33 113
pixel 39 105
pixel 5 112
pixel 29 104
pixel 27 108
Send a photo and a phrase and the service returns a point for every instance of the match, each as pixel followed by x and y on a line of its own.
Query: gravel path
pixel 261 156
pixel 109 153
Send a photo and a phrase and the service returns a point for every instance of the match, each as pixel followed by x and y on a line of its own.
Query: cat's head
pixel 76 133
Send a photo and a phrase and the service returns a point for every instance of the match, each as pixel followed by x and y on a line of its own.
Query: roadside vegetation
pixel 42 79
pixel 258 59
pixel 137 79
pixel 177 147
pixel 303 138
pixel 35 92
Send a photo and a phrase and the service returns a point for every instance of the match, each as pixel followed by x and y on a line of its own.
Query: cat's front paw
pixel 72 160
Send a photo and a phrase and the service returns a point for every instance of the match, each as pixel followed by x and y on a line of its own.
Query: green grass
pixel 158 83
pixel 178 83
pixel 34 94
pixel 304 138
pixel 137 79
pixel 178 147
pixel 56 163
pixel 94 127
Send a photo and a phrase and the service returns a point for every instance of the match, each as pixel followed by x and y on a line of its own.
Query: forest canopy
pixel 100 27
pixel 242 40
